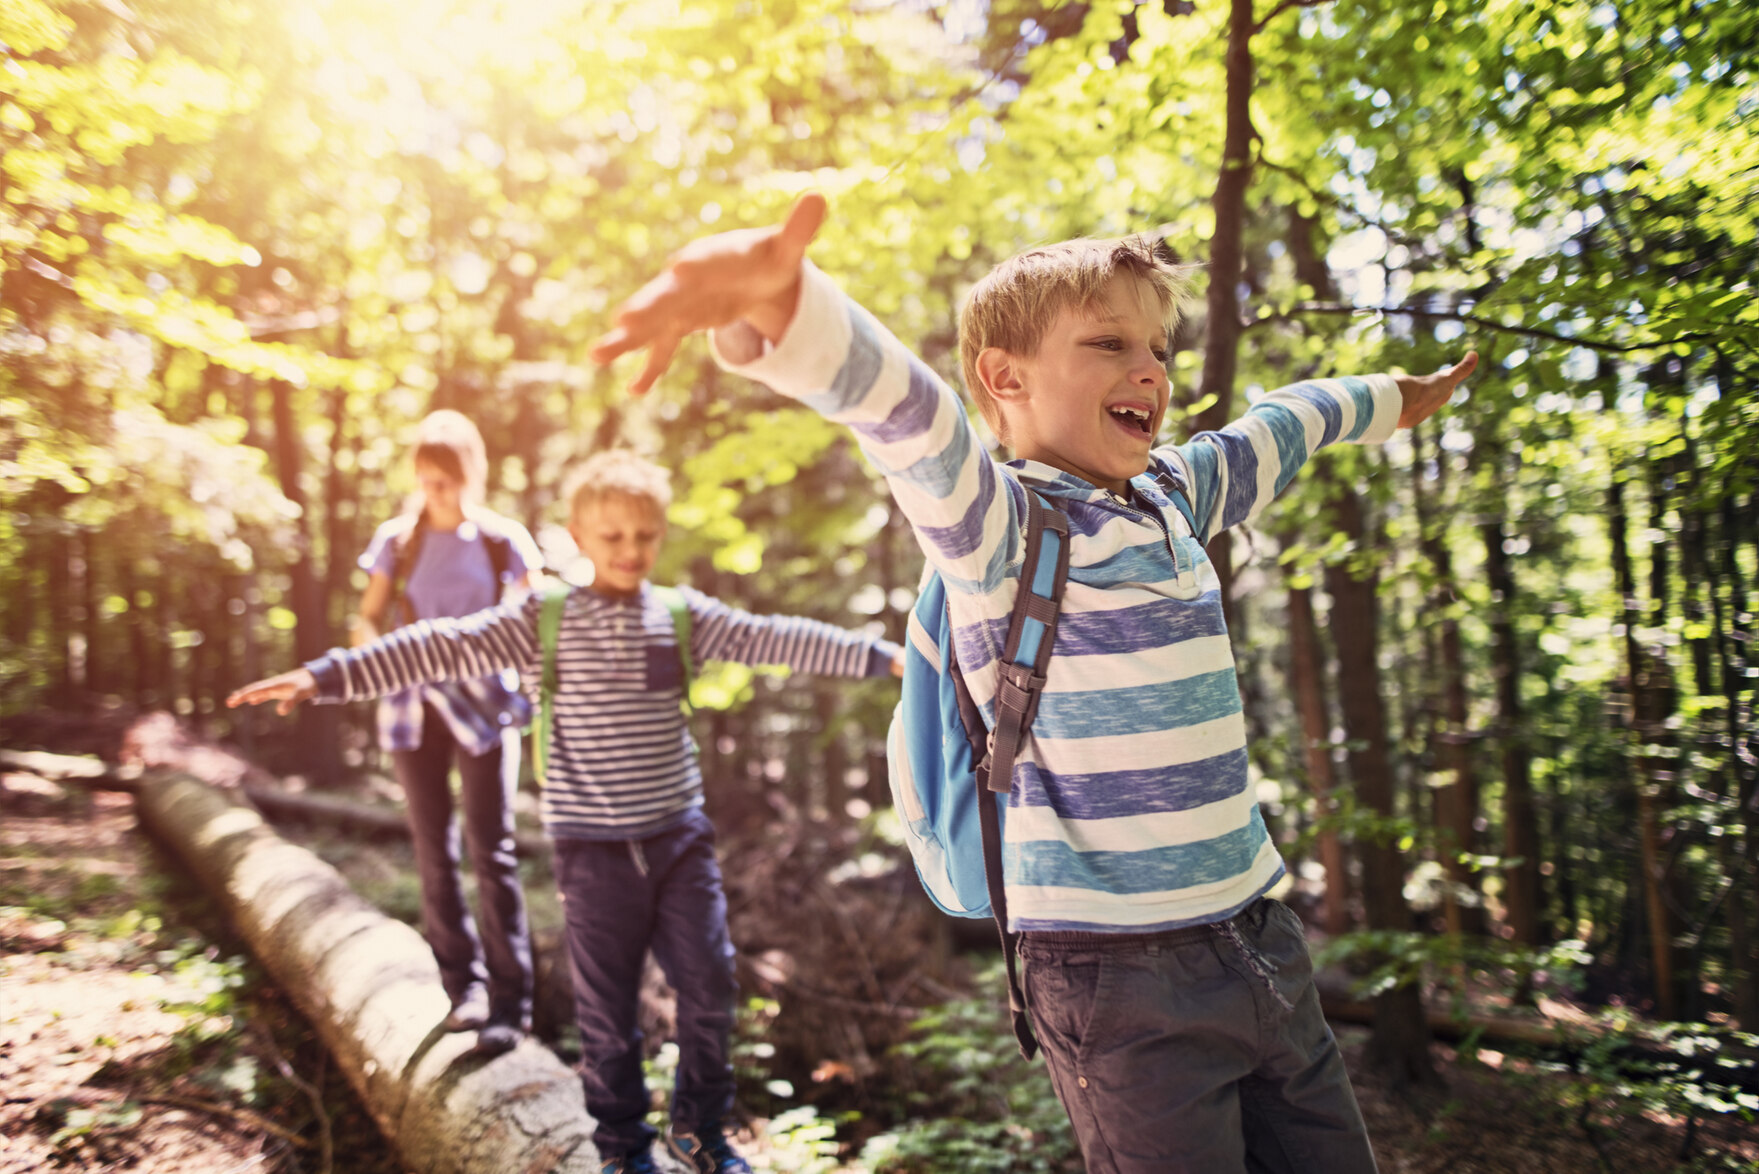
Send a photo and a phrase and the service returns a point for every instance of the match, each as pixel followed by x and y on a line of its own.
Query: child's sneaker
pixel 707 1152
pixel 641 1163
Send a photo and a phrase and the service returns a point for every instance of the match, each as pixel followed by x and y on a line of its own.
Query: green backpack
pixel 554 593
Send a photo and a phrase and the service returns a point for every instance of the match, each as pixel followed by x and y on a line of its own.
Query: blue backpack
pixel 950 775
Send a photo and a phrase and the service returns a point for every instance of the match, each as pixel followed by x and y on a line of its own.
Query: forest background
pixel 1499 675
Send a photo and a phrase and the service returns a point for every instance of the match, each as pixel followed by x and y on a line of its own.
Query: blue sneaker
pixel 707 1152
pixel 641 1163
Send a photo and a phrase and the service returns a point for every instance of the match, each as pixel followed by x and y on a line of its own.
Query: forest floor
pixel 136 1035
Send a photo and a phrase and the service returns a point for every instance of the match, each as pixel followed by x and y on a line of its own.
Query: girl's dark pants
pixel 1195 1051
pixel 500 961
pixel 620 898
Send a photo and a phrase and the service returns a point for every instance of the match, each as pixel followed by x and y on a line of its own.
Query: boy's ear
pixel 1001 374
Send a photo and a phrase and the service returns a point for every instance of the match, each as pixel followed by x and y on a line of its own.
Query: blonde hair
pixel 448 441
pixel 621 472
pixel 1013 305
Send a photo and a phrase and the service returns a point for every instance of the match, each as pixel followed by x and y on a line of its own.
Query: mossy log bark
pixel 369 985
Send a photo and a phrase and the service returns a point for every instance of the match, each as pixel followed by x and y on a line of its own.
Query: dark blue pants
pixel 1195 1051
pixel 620 898
pixel 499 962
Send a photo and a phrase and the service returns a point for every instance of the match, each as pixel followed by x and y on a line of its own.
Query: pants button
pixel 1082 1081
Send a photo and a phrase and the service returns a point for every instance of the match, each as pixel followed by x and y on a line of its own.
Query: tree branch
pixel 1258 27
pixel 1476 320
pixel 1397 235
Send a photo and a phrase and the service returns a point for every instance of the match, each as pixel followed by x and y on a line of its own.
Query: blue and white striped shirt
pixel 621 762
pixel 1131 809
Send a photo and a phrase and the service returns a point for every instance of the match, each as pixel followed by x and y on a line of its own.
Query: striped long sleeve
pixel 621 761
pixel 1131 807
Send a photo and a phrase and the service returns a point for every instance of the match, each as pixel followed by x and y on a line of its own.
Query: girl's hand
pixel 1424 394
pixel 749 273
pixel 288 690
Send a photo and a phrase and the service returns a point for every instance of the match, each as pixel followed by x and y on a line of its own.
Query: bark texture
pixel 369 985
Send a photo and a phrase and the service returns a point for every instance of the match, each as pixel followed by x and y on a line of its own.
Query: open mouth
pixel 1131 419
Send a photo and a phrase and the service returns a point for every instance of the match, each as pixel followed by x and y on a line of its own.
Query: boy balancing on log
pixel 622 792
pixel 1173 999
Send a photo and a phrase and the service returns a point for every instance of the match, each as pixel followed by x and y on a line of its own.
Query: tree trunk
pixel 64 684
pixel 1400 1042
pixel 1642 717
pixel 1221 344
pixel 1737 665
pixel 320 726
pixel 1456 805
pixel 96 677
pixel 1521 895
pixel 1307 679
pixel 369 985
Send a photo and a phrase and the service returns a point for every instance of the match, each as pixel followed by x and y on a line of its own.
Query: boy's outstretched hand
pixel 1424 394
pixel 749 273
pixel 288 689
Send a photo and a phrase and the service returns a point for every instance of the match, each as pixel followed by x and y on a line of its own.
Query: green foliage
pixel 985 1109
pixel 1383 960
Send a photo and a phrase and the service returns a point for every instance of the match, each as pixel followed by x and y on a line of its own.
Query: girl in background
pixel 448 555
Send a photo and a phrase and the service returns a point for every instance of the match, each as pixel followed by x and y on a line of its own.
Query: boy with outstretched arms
pixel 1173 1000
pixel 622 792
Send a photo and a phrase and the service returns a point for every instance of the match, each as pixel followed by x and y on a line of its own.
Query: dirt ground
pixel 134 1036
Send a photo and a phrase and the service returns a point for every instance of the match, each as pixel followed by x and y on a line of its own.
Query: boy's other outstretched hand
pixel 749 273
pixel 288 690
pixel 1424 394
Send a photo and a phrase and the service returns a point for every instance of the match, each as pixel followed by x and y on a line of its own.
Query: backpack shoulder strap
pixel 1182 502
pixel 500 558
pixel 408 548
pixel 1175 489
pixel 1032 630
pixel 679 609
pixel 554 594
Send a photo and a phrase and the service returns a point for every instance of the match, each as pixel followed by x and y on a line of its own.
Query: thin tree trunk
pixel 159 616
pixel 1456 805
pixel 85 608
pixel 1307 679
pixel 64 686
pixel 128 586
pixel 1520 821
pixel 1226 257
pixel 1400 1042
pixel 1660 924
pixel 319 725
pixel 1738 662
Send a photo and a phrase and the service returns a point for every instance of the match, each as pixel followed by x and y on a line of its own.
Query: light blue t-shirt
pixel 453 576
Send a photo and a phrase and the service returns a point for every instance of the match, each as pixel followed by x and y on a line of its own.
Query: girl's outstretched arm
pixel 287 690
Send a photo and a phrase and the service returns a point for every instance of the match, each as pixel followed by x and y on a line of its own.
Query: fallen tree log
pixel 280 804
pixel 84 769
pixel 1708 1056
pixel 369 986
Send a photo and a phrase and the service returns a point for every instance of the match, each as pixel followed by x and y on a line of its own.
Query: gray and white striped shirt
pixel 621 761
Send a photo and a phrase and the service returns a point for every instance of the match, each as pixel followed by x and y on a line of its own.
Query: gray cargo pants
pixel 1195 1051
